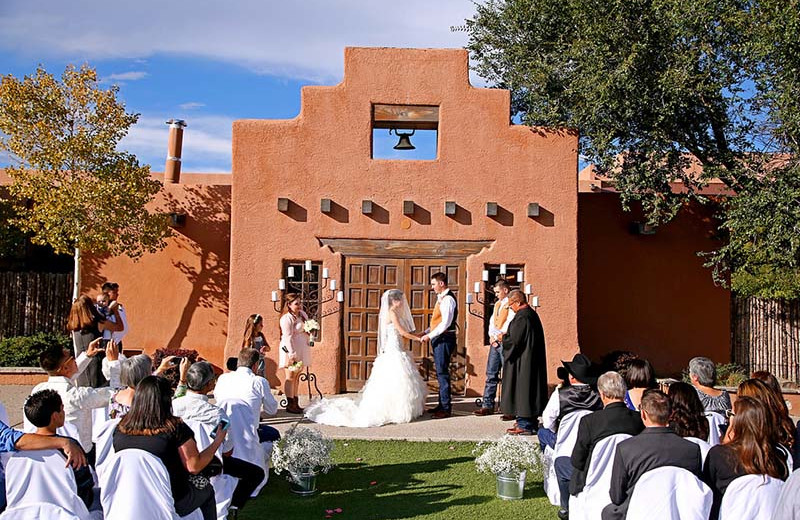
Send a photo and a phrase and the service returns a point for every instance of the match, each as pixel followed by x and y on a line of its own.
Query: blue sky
pixel 211 63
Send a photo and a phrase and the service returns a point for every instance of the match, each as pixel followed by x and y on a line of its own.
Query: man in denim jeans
pixel 498 326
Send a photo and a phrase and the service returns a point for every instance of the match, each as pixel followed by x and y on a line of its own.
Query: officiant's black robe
pixel 524 366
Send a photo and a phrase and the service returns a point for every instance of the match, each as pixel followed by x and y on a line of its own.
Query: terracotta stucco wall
pixel 649 293
pixel 325 153
pixel 178 297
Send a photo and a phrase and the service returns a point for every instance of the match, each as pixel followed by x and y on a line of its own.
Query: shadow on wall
pixel 206 236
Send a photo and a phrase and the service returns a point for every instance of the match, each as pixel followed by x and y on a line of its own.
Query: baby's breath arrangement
pixel 300 450
pixel 509 454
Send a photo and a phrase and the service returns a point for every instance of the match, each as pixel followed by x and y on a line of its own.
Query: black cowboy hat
pixel 581 369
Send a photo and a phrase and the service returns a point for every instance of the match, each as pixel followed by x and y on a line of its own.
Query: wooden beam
pixel 416 117
pixel 405 248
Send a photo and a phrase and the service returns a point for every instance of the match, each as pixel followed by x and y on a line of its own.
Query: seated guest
pixel 150 426
pixel 62 368
pixel 688 416
pixel 655 447
pixel 639 376
pixel 775 385
pixel 749 449
pixel 194 406
pixel 578 395
pixel 45 410
pixel 777 412
pixel 243 384
pixel 132 371
pixel 703 374
pixel 613 419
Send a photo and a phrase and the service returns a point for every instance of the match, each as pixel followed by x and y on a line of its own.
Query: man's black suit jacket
pixel 655 447
pixel 613 419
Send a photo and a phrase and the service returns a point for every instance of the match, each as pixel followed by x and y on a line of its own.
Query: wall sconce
pixel 408 207
pixel 533 209
pixel 366 207
pixel 450 208
pixel 277 296
pixel 283 204
pixel 491 209
pixel 325 205
pixel 177 220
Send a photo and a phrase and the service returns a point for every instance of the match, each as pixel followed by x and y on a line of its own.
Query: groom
pixel 442 335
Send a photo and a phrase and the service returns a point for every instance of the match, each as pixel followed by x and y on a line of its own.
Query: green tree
pixel 657 86
pixel 72 188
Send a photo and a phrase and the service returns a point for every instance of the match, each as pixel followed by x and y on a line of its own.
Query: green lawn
pixel 400 479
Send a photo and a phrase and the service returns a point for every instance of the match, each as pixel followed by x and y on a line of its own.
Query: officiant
pixel 524 393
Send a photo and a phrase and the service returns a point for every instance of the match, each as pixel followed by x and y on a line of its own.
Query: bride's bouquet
pixel 310 327
pixel 302 450
pixel 508 455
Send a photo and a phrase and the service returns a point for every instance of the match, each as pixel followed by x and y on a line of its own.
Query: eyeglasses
pixel 729 413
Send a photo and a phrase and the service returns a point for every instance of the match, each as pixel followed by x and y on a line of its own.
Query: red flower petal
pixel 338 509
pixel 373 482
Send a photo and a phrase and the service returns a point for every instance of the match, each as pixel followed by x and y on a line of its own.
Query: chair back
pixel 670 493
pixel 788 507
pixel 104 444
pixel 704 447
pixel 42 476
pixel 589 503
pixel 567 433
pixel 37 510
pixel 715 421
pixel 751 496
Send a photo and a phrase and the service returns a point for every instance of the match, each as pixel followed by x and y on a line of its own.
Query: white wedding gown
pixel 394 393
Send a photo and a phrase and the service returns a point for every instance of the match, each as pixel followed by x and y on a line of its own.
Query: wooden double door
pixel 366 279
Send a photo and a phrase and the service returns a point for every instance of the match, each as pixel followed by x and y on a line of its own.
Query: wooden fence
pixel 34 302
pixel 766 336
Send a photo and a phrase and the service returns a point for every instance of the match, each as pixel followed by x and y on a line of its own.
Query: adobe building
pixel 306 199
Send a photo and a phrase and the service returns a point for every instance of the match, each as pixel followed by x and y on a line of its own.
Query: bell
pixel 405 140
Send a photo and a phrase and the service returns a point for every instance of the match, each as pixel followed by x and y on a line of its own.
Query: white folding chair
pixel 753 497
pixel 224 485
pixel 715 421
pixel 37 510
pixel 135 486
pixel 704 447
pixel 589 503
pixel 565 442
pixel 104 444
pixel 245 437
pixel 788 507
pixel 35 477
pixel 670 493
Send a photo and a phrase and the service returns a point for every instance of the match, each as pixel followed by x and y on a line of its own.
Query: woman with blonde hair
pixel 294 348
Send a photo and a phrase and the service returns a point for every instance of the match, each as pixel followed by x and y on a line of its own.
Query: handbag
pixel 213 468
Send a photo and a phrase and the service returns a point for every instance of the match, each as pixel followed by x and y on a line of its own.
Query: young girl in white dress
pixel 395 392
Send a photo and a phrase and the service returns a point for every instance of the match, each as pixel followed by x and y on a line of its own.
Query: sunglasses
pixel 729 413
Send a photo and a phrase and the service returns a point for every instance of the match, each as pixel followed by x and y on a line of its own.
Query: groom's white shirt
pixel 447 307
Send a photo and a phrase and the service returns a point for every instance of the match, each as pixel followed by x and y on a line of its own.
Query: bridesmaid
pixel 294 347
pixel 254 338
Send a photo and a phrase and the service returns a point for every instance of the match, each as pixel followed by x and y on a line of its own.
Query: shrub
pixel 23 351
pixel 173 374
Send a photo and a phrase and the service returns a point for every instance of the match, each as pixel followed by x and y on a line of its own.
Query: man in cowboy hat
pixel 578 395
pixel 524 366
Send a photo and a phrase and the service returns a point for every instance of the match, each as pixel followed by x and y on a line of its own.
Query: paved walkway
pixel 462 426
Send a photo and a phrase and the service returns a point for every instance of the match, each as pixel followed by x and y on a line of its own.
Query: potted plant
pixel 509 459
pixel 302 453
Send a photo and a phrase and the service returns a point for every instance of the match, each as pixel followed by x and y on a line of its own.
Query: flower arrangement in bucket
pixel 509 458
pixel 302 453
pixel 311 327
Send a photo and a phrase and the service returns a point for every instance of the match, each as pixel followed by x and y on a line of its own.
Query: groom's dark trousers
pixel 443 347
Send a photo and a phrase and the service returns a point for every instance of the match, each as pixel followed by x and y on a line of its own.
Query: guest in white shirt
pixel 195 408
pixel 62 369
pixel 243 384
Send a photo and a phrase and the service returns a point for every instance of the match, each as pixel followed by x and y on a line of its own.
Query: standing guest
pixel 45 410
pixel 294 348
pixel 613 419
pixel 639 376
pixel 498 327
pixel 442 335
pixel 86 325
pixel 150 426
pixel 244 385
pixel 688 416
pixel 777 412
pixel 254 338
pixel 703 374
pixel 655 447
pixel 111 289
pixel 61 368
pixel 748 449
pixel 194 406
pixel 525 366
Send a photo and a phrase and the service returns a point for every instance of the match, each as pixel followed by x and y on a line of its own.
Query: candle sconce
pixel 480 288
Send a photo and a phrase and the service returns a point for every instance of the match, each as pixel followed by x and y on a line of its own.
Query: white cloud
pixel 126 76
pixel 302 40
pixel 191 105
pixel 206 143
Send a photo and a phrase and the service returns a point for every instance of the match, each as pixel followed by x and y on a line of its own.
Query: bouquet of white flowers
pixel 508 455
pixel 302 450
pixel 311 327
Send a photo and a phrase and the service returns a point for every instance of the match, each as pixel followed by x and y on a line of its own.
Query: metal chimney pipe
pixel 172 170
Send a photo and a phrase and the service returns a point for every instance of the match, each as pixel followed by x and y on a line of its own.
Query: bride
pixel 394 392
